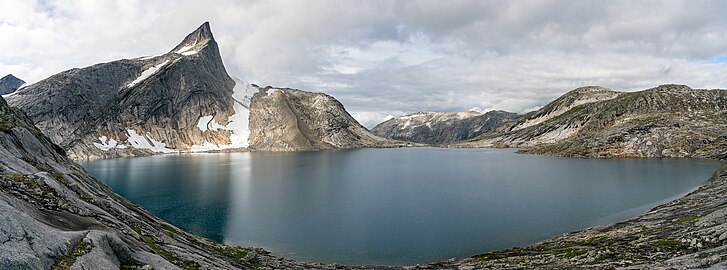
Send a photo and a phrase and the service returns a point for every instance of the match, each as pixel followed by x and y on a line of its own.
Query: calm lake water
pixel 394 206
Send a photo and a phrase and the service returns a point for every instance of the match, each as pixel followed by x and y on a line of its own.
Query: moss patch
pixel 66 261
pixel 182 263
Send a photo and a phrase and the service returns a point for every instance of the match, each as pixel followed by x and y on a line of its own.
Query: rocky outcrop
pixel 442 127
pixel 283 119
pixel 9 84
pixel 665 121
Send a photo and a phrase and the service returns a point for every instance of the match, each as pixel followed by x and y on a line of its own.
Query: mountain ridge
pixel 664 121
pixel 442 127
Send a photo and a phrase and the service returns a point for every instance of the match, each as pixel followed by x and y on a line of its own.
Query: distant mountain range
pixel 442 127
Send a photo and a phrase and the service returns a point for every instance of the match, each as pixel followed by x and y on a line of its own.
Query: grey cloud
pixel 392 57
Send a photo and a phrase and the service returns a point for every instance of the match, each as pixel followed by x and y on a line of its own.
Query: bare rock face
pixel 665 121
pixel 442 127
pixel 283 119
pixel 139 106
pixel 9 84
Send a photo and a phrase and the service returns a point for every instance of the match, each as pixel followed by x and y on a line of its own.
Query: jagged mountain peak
pixel 195 41
pixel 9 84
pixel 10 77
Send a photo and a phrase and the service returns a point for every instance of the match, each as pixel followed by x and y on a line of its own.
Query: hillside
pixel 284 119
pixel 665 121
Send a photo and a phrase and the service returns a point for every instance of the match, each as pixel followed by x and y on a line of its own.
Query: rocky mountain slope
pixel 179 101
pixel 442 127
pixel 665 121
pixel 284 119
pixel 9 84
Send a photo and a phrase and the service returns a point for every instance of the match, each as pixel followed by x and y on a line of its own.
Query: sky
pixel 391 57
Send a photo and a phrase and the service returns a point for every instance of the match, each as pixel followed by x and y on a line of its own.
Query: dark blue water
pixel 394 206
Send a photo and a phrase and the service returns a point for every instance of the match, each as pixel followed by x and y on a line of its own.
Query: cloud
pixel 392 57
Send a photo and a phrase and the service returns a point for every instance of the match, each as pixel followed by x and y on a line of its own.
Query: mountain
pixel 180 101
pixel 9 84
pixel 441 127
pixel 284 119
pixel 665 121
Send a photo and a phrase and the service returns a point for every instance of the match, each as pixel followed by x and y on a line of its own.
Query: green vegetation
pixel 66 261
pixel 571 252
pixel 666 242
pixel 182 263
pixel 14 177
pixel 238 254
pixel 169 228
pixel 5 124
pixel 694 218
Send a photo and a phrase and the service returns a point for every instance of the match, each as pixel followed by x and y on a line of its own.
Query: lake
pixel 394 206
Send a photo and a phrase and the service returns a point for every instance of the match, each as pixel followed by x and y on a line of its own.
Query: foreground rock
pixel 9 84
pixel 665 121
pixel 442 127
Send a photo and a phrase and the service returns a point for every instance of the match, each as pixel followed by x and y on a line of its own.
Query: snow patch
pixel 209 123
pixel 476 109
pixel 108 144
pixel 186 50
pixel 141 142
pixel 203 122
pixel 243 92
pixel 204 147
pixel 147 73
pixel 272 91
pixel 105 144
pixel 238 123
